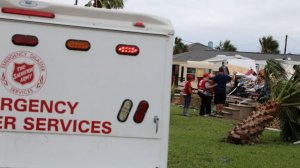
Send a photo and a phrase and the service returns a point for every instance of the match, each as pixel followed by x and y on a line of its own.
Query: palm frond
pixel 275 77
pixel 274 70
pixel 293 95
pixel 290 90
pixel 109 4
pixel 276 90
pixel 89 4
pixel 297 71
pixel 290 126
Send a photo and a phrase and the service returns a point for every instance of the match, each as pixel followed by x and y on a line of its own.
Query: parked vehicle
pixel 75 87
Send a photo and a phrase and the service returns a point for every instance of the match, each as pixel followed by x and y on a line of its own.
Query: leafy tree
pixel 226 46
pixel 179 47
pixel 269 45
pixel 109 4
pixel 283 101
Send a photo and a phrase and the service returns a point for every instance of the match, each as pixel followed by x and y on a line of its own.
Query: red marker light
pixel 127 50
pixel 28 12
pixel 141 111
pixel 139 24
pixel 25 40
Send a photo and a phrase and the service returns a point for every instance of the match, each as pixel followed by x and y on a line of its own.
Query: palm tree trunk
pixel 98 4
pixel 249 130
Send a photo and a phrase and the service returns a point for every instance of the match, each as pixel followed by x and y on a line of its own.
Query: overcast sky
pixel 241 21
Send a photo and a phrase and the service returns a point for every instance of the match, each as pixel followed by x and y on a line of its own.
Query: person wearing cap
pixel 187 93
pixel 205 91
pixel 220 80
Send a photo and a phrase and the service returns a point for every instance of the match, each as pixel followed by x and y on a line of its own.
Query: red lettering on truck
pixel 74 126
pixel 95 127
pixel 60 110
pixel 53 123
pixel 38 106
pixel 34 106
pixel 106 127
pixel 6 102
pixel 72 106
pixel 41 124
pixel 47 106
pixel 29 125
pixel 81 126
pixel 7 122
pixel 67 126
pixel 19 105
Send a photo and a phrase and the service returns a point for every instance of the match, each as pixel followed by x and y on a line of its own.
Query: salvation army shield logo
pixel 23 73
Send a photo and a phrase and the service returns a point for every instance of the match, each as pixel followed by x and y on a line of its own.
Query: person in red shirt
pixel 205 91
pixel 187 93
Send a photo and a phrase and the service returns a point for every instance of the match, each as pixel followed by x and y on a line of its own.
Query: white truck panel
pixel 42 150
pixel 89 85
pixel 93 18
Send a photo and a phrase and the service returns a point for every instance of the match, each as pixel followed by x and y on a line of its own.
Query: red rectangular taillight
pixel 124 49
pixel 141 111
pixel 25 40
pixel 28 12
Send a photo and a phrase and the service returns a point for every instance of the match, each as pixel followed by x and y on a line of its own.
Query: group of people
pixel 209 88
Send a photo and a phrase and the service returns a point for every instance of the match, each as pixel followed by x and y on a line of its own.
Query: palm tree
pixel 179 47
pixel 226 46
pixel 290 117
pixel 282 101
pixel 109 4
pixel 269 45
pixel 290 126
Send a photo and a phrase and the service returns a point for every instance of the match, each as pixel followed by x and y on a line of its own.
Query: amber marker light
pixel 80 45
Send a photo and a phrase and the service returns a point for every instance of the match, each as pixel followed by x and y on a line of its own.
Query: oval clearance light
pixel 25 40
pixel 141 111
pixel 130 50
pixel 125 110
pixel 28 12
pixel 139 24
pixel 81 45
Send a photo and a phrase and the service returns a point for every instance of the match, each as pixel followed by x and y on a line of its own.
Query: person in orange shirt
pixel 187 93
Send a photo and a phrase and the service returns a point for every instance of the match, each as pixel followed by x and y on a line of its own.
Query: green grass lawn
pixel 197 142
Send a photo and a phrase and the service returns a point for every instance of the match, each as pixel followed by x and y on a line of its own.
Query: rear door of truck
pixel 83 87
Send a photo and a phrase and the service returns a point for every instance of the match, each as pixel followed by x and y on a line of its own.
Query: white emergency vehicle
pixel 83 87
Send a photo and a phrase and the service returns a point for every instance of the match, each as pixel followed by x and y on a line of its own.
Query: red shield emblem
pixel 23 73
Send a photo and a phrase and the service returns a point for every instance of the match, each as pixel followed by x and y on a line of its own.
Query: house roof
pixel 200 52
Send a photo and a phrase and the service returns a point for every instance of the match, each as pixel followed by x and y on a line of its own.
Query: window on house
pixel 181 75
pixel 191 71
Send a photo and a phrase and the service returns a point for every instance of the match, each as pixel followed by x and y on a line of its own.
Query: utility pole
pixel 286 37
pixel 76 2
